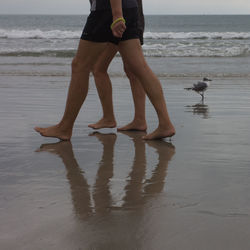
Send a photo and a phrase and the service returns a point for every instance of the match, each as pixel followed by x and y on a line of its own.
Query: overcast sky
pixel 150 6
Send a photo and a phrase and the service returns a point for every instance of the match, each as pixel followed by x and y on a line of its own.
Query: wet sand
pixel 112 190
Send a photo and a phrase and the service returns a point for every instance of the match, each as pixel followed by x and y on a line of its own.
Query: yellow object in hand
pixel 120 19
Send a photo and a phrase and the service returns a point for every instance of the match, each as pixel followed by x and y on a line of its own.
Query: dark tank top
pixel 105 4
pixel 141 21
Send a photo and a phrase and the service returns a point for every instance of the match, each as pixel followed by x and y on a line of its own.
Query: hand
pixel 118 29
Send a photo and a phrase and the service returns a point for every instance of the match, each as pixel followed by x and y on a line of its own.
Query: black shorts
pixel 97 27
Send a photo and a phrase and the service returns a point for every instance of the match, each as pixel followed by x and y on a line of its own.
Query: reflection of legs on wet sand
pixel 78 184
pixel 165 152
pixel 133 188
pixel 136 189
pixel 101 195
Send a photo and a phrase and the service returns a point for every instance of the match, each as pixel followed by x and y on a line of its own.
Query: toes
pixel 42 133
pixel 121 129
pixel 38 129
pixel 93 126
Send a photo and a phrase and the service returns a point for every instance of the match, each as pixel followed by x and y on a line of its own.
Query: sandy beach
pixel 110 190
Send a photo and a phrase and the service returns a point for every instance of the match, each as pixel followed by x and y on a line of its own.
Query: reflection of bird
pixel 199 109
pixel 200 87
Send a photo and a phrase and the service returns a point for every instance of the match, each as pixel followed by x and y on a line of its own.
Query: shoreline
pixel 173 67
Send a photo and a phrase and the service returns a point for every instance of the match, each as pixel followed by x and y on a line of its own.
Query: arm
pixel 116 6
pixel 119 28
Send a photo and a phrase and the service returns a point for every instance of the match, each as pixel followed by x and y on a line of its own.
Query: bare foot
pixel 160 133
pixel 103 123
pixel 56 132
pixel 134 125
pixel 135 135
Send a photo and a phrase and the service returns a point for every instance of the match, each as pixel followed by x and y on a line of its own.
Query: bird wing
pixel 200 86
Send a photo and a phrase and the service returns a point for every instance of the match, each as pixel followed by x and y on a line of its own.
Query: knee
pixel 135 70
pixel 98 72
pixel 129 72
pixel 78 66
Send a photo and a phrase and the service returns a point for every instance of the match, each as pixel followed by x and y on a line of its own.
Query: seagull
pixel 200 87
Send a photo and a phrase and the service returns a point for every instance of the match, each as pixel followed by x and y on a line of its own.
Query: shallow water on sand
pixel 112 190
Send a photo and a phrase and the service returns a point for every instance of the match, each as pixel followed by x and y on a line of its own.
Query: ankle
pixel 109 119
pixel 166 126
pixel 64 126
pixel 139 120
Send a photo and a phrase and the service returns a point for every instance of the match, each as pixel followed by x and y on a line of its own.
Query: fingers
pixel 118 29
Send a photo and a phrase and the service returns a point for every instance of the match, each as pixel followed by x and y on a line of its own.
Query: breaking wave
pixel 39 34
pixel 198 35
pixel 62 43
pixel 161 50
pixel 68 34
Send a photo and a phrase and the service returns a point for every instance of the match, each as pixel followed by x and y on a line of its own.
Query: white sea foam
pixel 161 50
pixel 165 44
pixel 67 34
pixel 197 35
pixel 39 34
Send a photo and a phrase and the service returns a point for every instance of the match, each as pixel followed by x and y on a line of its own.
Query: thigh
pixel 132 55
pixel 88 52
pixel 105 58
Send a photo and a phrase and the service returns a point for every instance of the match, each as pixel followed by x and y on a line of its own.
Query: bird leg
pixel 201 94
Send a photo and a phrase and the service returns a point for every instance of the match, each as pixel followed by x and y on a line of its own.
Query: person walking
pixel 112 21
pixel 104 86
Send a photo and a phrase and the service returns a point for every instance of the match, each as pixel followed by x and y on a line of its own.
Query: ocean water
pixel 183 45
pixel 165 36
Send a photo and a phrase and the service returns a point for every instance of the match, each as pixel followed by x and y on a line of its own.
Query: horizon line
pixel 151 14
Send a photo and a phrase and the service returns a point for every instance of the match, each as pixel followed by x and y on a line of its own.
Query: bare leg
pixel 139 121
pixel 132 54
pixel 104 88
pixel 86 57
